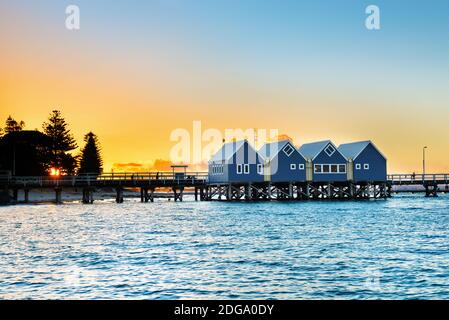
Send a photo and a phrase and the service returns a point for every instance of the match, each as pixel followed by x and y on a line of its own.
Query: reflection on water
pixel 397 248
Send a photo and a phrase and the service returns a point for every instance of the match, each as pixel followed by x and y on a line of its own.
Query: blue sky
pixel 312 60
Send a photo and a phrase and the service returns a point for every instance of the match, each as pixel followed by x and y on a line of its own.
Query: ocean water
pixel 388 249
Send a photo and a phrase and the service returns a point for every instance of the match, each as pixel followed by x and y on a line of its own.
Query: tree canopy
pixel 62 141
pixel 12 125
pixel 90 157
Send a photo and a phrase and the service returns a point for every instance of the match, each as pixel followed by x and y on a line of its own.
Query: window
pixel 326 168
pixel 318 168
pixel 246 169
pixel 239 169
pixel 301 166
pixel 334 168
pixel 366 166
pixel 288 150
pixel 358 166
pixel 260 169
pixel 330 150
pixel 342 168
pixel 292 166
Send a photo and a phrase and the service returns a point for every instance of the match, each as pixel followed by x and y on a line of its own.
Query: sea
pixel 378 249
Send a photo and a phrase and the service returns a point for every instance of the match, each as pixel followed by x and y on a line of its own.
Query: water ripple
pixel 164 250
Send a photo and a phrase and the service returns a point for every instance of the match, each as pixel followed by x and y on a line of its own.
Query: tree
pixel 62 142
pixel 12 125
pixel 25 153
pixel 90 157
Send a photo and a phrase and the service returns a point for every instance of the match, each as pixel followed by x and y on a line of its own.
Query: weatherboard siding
pixel 377 171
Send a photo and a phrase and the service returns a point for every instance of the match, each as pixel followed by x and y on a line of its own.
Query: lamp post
pixel 424 161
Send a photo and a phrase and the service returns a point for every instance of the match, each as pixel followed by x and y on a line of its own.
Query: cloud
pixel 158 165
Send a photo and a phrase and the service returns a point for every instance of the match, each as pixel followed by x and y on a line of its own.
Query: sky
pixel 138 70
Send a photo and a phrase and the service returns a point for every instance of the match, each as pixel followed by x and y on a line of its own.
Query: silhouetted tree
pixel 90 157
pixel 62 142
pixel 25 153
pixel 12 125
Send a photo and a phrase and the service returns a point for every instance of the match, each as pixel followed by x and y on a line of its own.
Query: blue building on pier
pixel 328 164
pixel 236 162
pixel 365 162
pixel 283 162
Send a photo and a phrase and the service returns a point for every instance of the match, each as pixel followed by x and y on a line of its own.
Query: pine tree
pixel 12 125
pixel 90 158
pixel 62 142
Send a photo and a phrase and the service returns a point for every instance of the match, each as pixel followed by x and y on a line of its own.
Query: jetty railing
pixel 105 179
pixel 398 179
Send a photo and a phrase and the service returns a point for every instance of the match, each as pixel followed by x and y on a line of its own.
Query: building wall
pixel 244 156
pixel 323 158
pixel 281 171
pixel 377 171
pixel 218 177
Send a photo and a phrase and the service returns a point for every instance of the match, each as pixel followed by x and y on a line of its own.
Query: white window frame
pixel 366 166
pixel 288 146
pixel 301 166
pixel 329 165
pixel 344 165
pixel 332 152
pixel 336 167
pixel 246 168
pixel 358 166
pixel 260 168
pixel 239 169
pixel 292 166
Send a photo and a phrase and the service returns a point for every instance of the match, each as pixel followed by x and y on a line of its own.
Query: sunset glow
pixel 137 70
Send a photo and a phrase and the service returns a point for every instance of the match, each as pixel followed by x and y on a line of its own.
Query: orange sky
pixel 133 94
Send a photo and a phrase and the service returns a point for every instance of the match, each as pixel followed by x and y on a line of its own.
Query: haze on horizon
pixel 137 70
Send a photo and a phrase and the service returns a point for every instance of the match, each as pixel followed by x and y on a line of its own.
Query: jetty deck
pixel 146 182
pixel 175 183
pixel 432 183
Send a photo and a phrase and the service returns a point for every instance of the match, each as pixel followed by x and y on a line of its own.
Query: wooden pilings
pixel 58 195
pixel 119 195
pixel 147 194
pixel 431 190
pixel 297 191
pixel 178 193
pixel 88 196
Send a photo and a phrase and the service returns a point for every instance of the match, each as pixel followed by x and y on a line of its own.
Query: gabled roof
pixel 270 150
pixel 229 149
pixel 354 149
pixel 311 150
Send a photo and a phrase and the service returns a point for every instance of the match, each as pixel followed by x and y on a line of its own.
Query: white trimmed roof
pixel 311 150
pixel 270 150
pixel 354 149
pixel 229 149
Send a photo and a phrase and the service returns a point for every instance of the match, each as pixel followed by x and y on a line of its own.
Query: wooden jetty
pixel 175 184
pixel 432 183
pixel 88 183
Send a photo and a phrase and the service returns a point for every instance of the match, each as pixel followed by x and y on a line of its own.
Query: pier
pixel 174 185
pixel 432 183
pixel 147 183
